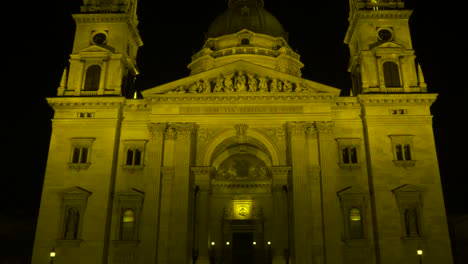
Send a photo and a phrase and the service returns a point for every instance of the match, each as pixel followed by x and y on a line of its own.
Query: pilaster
pixel 181 218
pixel 280 245
pixel 330 208
pixel 299 194
pixel 202 177
pixel 167 173
pixel 150 217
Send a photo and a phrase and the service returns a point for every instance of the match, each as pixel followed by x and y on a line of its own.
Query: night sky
pixel 38 50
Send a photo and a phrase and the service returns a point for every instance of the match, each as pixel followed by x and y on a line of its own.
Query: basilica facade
pixel 242 161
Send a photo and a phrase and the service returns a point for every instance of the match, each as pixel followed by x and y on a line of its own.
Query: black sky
pixel 38 49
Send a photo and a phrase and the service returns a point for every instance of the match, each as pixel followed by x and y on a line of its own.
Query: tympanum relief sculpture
pixel 242 82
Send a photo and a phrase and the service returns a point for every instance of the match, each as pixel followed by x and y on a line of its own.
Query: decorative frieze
pixel 242 82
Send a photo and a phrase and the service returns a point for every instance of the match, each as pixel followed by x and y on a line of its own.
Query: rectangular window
pixel 80 152
pixel 349 152
pixel 133 155
pixel 402 150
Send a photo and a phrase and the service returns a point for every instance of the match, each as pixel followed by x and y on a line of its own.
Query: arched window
pixel 127 224
pixel 355 223
pixel 92 79
pixel 391 74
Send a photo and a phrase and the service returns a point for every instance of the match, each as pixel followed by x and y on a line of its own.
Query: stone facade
pixel 243 160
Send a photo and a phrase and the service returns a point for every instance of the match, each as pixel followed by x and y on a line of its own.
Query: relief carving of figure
pixel 280 86
pixel 274 86
pixel 228 84
pixel 206 86
pixel 193 88
pixel 219 86
pixel 240 82
pixel 263 85
pixel 288 87
pixel 253 83
pixel 298 88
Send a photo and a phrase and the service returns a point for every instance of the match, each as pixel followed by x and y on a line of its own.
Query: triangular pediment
pixel 407 188
pixel 130 193
pixel 96 48
pixel 227 74
pixel 388 45
pixel 76 192
pixel 352 190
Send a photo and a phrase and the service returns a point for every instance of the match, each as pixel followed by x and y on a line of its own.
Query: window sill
pixel 350 165
pixel 412 238
pixel 69 243
pixel 79 166
pixel 404 163
pixel 133 168
pixel 126 243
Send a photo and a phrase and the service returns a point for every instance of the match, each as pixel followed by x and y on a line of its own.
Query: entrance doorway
pixel 243 250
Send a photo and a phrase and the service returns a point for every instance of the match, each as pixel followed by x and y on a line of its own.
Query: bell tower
pixel 382 58
pixel 103 59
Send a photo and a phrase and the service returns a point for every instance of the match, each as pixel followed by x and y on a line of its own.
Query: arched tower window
pixel 127 224
pixel 391 74
pixel 93 78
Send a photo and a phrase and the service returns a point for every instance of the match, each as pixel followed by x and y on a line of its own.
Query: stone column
pixel 202 180
pixel 181 219
pixel 299 195
pixel 150 214
pixel 280 236
pixel 327 150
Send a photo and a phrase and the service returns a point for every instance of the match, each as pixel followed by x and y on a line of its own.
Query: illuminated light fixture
pixel 212 243
pixel 227 243
pixel 269 243
pixel 419 251
pixel 255 243
pixel 52 253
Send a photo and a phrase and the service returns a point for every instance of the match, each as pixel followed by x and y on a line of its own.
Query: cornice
pixel 242 98
pixel 137 105
pixel 85 102
pixel 347 102
pixel 397 99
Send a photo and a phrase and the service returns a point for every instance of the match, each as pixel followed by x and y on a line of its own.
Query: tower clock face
pixel 99 38
pixel 385 35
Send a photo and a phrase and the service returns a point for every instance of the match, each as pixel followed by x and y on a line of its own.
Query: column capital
pixel 180 129
pixel 202 174
pixel 297 128
pixel 325 127
pixel 157 129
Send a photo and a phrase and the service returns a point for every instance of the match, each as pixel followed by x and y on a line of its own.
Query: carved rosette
pixel 325 127
pixel 157 130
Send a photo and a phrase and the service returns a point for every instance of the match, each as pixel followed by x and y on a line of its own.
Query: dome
pixel 246 14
